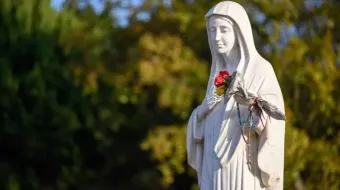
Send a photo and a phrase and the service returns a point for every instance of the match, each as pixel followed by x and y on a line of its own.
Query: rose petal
pixel 224 73
pixel 219 80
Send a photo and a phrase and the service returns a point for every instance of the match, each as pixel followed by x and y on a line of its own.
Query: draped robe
pixel 215 147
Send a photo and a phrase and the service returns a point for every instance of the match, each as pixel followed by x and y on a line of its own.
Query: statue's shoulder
pixel 263 66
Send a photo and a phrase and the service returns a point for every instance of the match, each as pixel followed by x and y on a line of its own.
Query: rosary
pixel 251 126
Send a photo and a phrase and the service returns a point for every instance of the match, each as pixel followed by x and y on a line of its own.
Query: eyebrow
pixel 223 26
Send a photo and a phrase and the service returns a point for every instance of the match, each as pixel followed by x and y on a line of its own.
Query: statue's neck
pixel 232 59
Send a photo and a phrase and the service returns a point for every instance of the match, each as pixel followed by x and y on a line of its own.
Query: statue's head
pixel 222 33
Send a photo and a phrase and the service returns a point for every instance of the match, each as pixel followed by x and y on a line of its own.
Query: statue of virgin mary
pixel 227 152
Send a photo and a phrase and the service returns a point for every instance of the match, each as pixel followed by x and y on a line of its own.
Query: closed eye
pixel 225 29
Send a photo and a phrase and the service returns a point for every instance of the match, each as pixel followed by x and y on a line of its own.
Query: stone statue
pixel 235 139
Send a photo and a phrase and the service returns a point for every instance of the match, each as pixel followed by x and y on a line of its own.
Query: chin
pixel 222 51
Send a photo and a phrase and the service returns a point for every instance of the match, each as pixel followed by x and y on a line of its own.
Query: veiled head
pixel 222 33
pixel 233 46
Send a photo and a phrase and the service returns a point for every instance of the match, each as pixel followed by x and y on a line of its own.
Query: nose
pixel 217 36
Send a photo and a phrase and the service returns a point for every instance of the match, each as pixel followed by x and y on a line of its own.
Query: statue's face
pixel 222 34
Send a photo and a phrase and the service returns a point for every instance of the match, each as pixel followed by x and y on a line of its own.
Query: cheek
pixel 213 35
pixel 229 39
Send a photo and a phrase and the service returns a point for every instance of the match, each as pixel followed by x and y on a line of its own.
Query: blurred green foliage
pixel 87 104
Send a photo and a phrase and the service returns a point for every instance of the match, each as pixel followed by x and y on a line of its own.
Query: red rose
pixel 225 74
pixel 219 80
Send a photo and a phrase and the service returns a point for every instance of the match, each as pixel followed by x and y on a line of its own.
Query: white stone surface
pixel 215 146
